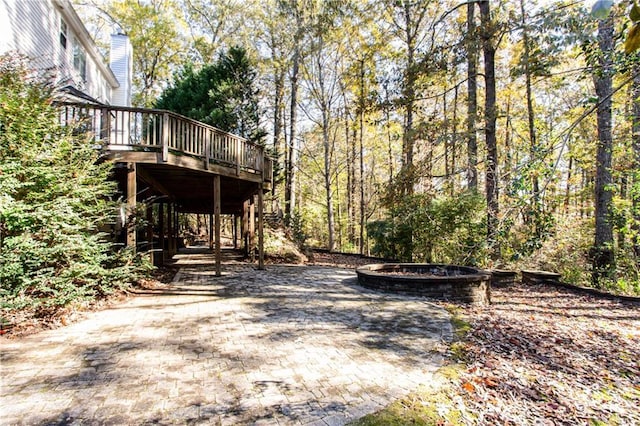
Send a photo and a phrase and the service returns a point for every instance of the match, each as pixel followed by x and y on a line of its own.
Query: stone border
pixel 530 277
pixel 503 277
pixel 473 287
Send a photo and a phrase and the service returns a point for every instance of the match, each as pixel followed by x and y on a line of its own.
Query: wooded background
pixel 496 133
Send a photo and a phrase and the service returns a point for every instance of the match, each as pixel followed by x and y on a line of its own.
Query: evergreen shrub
pixel 54 197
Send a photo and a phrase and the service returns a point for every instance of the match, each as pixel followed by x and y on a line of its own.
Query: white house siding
pixel 34 30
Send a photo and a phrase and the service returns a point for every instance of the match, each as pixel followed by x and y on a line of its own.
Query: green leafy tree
pixel 54 199
pixel 155 29
pixel 222 94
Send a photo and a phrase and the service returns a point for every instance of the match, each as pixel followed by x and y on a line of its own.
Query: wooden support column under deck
pixel 261 228
pixel 170 230
pixel 234 230
pixel 252 228
pixel 211 241
pixel 149 232
pixel 160 258
pixel 245 227
pixel 132 191
pixel 216 213
pixel 176 229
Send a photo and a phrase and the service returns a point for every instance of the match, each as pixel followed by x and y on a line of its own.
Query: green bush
pixel 425 229
pixel 54 196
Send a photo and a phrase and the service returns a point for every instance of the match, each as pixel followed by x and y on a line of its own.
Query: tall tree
pixel 636 164
pixel 214 25
pixel 322 77
pixel 530 113
pixel 488 32
pixel 156 37
pixel 298 10
pixel 472 99
pixel 274 39
pixel 222 94
pixel 407 19
pixel 603 251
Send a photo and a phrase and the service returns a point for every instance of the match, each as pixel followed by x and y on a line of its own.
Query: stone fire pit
pixel 436 281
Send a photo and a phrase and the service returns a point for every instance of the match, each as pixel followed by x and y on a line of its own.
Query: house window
pixel 79 60
pixel 63 33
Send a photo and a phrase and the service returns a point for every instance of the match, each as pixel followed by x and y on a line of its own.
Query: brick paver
pixel 289 345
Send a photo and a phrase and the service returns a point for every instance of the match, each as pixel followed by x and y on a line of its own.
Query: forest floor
pixel 536 355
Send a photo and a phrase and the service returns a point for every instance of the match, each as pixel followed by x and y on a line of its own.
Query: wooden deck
pixel 182 165
pixel 161 137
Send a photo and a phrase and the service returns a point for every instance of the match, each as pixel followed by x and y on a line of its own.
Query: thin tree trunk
pixel 409 95
pixel 350 145
pixel 278 123
pixel 326 142
pixel 472 100
pixel 361 155
pixel 535 185
pixel 508 161
pixel 387 117
pixel 445 133
pixel 491 184
pixel 567 194
pixel 290 186
pixel 454 141
pixel 636 165
pixel 602 252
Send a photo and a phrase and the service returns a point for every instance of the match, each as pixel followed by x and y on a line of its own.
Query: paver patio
pixel 289 345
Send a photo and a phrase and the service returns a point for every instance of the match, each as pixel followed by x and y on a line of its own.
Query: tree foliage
pixel 54 200
pixel 406 118
pixel 444 230
pixel 222 94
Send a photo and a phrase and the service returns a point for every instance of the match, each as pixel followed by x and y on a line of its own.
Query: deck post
pixel 160 259
pixel 132 191
pixel 211 242
pixel 252 228
pixel 234 231
pixel 149 232
pixel 260 228
pixel 170 230
pixel 216 212
pixel 176 228
pixel 244 228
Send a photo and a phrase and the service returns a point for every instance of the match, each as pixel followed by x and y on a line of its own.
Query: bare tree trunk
pixel 351 184
pixel 508 161
pixel 472 100
pixel 636 166
pixel 387 115
pixel 491 184
pixel 409 98
pixel 602 253
pixel 361 155
pixel 535 185
pixel 290 186
pixel 278 123
pixel 567 193
pixel 327 180
pixel 445 133
pixel 454 140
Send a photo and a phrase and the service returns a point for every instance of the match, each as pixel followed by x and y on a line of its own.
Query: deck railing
pixel 138 129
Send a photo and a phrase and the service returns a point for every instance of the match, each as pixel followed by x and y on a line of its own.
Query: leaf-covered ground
pixel 538 355
pixel 542 355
